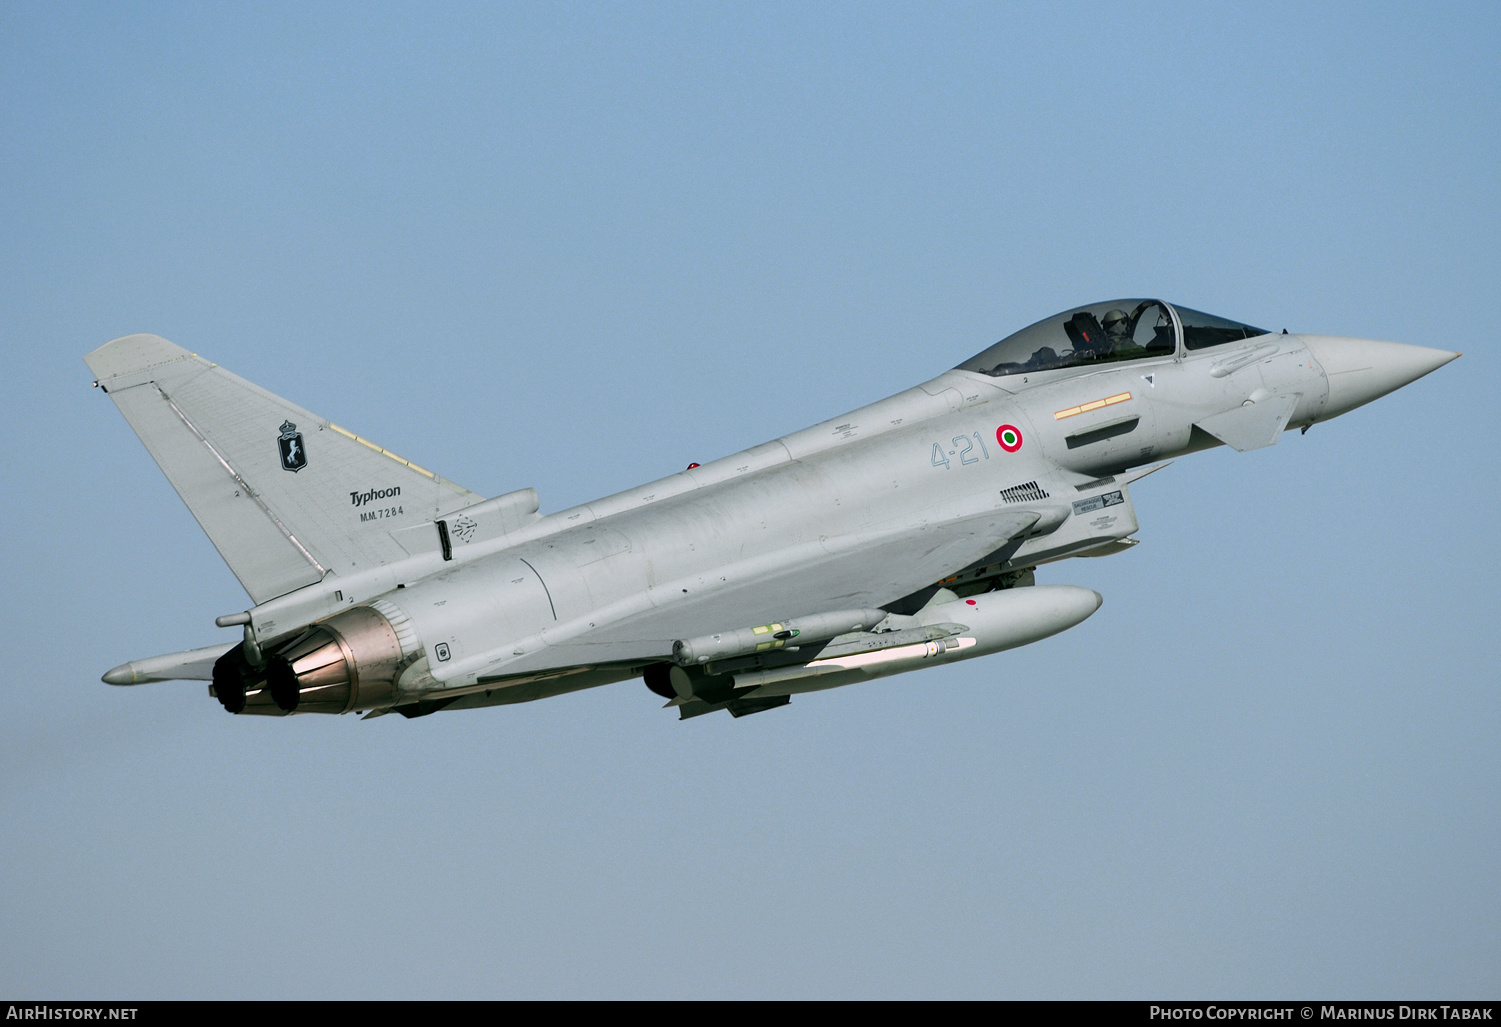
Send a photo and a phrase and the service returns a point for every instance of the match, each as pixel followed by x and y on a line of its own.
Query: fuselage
pixel 932 452
pixel 906 525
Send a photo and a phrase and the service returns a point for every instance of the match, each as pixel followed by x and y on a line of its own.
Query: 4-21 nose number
pixel 965 454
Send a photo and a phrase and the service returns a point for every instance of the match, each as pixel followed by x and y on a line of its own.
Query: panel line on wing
pixel 250 492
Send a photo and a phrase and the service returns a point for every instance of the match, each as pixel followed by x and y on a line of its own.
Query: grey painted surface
pixel 530 246
pixel 983 470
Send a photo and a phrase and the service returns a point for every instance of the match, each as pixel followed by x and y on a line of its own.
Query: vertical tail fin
pixel 284 495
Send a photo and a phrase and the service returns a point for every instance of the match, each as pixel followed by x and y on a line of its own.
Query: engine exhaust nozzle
pixel 347 663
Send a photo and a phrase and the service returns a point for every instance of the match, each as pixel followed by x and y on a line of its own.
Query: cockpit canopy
pixel 1103 333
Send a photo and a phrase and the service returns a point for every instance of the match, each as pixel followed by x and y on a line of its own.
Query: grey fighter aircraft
pixel 901 535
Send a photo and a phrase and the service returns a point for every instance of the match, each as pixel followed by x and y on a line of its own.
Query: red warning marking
pixel 1010 437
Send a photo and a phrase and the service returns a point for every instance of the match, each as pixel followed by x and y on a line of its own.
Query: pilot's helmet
pixel 1117 322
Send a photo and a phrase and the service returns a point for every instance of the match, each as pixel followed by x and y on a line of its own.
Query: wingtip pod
pixel 121 675
pixel 190 665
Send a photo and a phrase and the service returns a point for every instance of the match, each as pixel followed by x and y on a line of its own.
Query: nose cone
pixel 1360 370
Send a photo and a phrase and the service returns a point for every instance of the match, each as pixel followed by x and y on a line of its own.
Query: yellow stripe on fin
pixel 382 451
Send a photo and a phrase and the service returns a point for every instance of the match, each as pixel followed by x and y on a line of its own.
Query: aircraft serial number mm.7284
pixel 375 515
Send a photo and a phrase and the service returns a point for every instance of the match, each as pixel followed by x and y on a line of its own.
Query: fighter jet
pixel 901 535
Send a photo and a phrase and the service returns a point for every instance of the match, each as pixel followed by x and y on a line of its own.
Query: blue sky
pixel 577 247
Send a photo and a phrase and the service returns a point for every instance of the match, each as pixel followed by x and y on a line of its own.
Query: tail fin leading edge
pixel 284 495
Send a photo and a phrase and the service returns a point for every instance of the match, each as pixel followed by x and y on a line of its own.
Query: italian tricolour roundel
pixel 1010 437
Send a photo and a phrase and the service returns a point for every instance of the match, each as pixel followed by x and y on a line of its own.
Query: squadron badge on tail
pixel 293 455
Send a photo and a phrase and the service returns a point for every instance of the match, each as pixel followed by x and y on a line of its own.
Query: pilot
pixel 1117 324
